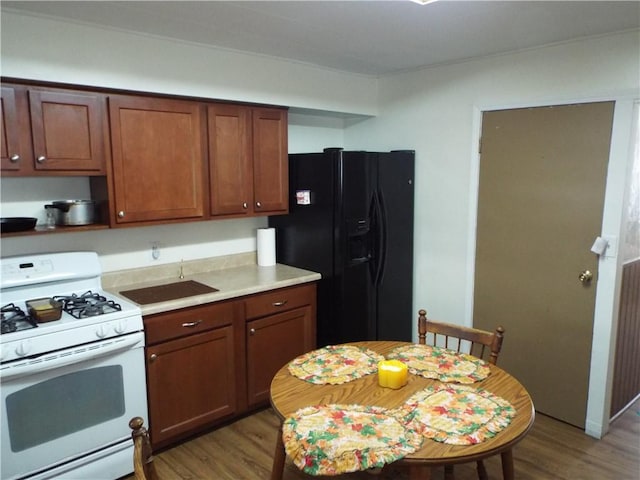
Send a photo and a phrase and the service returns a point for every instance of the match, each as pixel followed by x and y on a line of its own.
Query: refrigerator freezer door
pixel 305 237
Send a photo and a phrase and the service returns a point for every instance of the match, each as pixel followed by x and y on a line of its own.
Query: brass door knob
pixel 585 276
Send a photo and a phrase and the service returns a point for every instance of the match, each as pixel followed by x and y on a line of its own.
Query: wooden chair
pixel 480 343
pixel 143 467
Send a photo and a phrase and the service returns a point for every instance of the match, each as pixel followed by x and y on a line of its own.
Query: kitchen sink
pixel 166 292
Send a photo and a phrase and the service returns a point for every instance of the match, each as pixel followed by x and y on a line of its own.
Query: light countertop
pixel 234 276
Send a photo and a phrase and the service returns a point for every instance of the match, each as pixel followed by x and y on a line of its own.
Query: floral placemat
pixel 458 414
pixel 335 364
pixel 441 363
pixel 335 439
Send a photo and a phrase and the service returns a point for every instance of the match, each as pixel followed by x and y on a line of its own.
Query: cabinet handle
pixel 192 324
pixel 252 331
pixel 41 159
pixel 244 205
pixel 258 204
pixel 153 357
pixel 279 304
pixel 15 158
pixel 121 214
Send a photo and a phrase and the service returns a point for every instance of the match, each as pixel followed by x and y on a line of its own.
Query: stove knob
pixel 121 327
pixel 23 349
pixel 102 331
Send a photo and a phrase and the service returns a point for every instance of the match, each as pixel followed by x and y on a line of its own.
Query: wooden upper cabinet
pixel 230 165
pixel 52 132
pixel 13 155
pixel 248 163
pixel 67 130
pixel 270 161
pixel 158 158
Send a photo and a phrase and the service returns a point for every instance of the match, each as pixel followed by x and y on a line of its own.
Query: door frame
pixel 609 266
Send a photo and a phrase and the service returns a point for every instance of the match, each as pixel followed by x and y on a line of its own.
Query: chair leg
pixel 448 472
pixel 279 458
pixel 482 472
pixel 507 465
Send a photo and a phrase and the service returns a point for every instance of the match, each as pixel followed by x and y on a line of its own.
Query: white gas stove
pixel 72 370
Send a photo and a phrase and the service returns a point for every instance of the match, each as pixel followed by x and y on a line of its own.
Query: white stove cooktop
pixel 59 274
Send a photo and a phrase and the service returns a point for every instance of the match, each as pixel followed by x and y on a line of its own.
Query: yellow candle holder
pixel 392 374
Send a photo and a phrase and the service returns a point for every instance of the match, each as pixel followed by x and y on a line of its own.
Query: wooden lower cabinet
pixel 192 379
pixel 271 343
pixel 211 363
pixel 281 325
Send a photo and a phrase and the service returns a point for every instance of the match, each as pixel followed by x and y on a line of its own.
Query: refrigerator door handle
pixel 380 238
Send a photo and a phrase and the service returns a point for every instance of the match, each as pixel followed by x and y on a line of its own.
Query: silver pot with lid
pixel 72 212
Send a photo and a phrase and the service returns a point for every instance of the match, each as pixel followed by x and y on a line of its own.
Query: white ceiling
pixel 366 37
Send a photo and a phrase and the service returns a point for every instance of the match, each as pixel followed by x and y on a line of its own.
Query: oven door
pixel 66 410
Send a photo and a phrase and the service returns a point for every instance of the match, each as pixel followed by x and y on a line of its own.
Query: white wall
pixel 41 48
pixel 436 111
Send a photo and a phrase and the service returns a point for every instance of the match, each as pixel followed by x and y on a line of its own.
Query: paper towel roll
pixel 266 247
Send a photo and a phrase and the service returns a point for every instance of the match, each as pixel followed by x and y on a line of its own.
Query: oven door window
pixel 80 400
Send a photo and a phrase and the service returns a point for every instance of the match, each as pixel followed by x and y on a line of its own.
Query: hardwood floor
pixel 552 450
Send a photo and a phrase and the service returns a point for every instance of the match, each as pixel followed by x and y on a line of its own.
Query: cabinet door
pixel 67 131
pixel 190 383
pixel 270 161
pixel 12 156
pixel 271 343
pixel 157 158
pixel 230 167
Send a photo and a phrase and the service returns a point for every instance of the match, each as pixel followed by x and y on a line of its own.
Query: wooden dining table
pixel 289 393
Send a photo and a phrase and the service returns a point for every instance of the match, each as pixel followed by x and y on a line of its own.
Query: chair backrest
pixel 143 467
pixel 480 343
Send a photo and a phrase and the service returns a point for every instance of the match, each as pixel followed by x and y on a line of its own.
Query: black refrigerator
pixel 351 219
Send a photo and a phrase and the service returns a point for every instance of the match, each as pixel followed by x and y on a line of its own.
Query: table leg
pixel 419 472
pixel 507 465
pixel 279 458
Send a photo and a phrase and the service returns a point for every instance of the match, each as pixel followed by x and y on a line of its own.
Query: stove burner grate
pixel 13 319
pixel 89 304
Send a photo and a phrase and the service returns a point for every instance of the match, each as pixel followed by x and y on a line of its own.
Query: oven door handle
pixel 70 356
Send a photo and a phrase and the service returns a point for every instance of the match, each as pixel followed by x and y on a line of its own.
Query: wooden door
pixel 68 131
pixel 272 342
pixel 12 155
pixel 540 201
pixel 230 166
pixel 158 158
pixel 191 382
pixel 270 161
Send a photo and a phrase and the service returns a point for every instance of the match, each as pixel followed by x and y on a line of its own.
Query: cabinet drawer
pixel 278 301
pixel 179 323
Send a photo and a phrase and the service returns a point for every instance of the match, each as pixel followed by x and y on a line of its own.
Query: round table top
pixel 289 393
